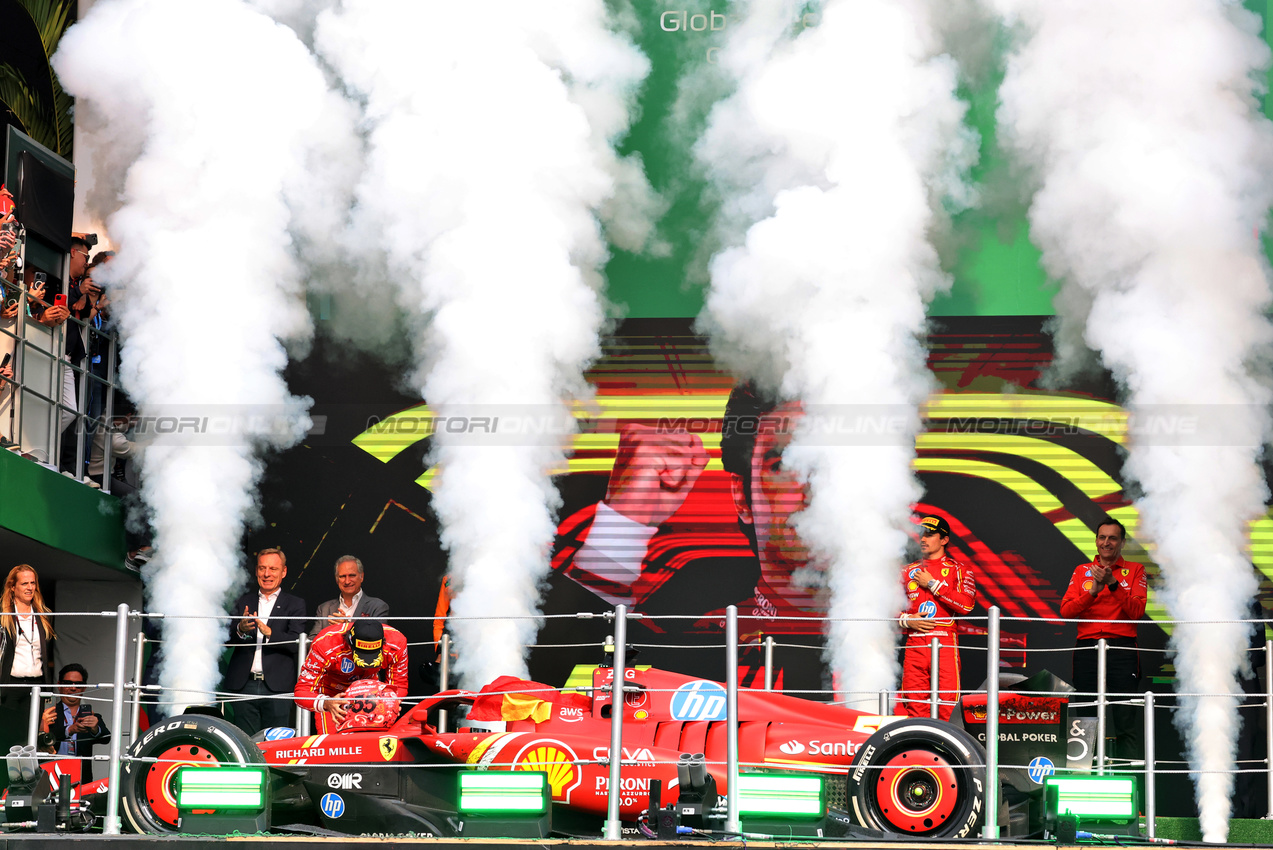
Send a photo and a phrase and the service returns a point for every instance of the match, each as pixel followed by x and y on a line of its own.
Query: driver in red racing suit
pixel 938 588
pixel 341 655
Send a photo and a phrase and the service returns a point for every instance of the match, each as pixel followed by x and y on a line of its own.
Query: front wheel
pixel 147 779
pixel 920 777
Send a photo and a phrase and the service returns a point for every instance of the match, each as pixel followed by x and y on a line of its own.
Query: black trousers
pixel 1123 723
pixel 253 715
pixel 15 712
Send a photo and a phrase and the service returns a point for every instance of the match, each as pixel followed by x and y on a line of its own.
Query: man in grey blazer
pixel 352 602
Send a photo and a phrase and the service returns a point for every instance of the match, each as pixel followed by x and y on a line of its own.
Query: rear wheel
pixel 920 777
pixel 147 781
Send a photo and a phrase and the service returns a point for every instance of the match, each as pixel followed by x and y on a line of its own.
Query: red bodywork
pixel 669 714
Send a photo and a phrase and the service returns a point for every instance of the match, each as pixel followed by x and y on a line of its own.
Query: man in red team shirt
pixel 1109 588
pixel 938 588
pixel 343 654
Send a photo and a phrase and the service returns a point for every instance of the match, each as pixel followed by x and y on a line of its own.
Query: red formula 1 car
pixel 895 775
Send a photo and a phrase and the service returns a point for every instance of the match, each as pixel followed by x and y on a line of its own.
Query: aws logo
pixel 555 759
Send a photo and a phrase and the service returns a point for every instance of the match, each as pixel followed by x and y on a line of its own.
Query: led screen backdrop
pixel 1021 474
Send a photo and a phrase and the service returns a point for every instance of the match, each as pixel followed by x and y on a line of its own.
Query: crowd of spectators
pixel 77 313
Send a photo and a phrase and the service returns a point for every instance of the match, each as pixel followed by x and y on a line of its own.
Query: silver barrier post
pixel 304 719
pixel 1151 808
pixel 883 710
pixel 991 832
pixel 1268 719
pixel 769 663
pixel 934 699
pixel 1101 647
pixel 614 827
pixel 444 675
pixel 732 822
pixel 111 826
pixel 33 718
pixel 139 673
pixel 109 413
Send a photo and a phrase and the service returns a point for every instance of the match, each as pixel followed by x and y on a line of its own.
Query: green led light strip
pixel 791 796
pixel 220 788
pixel 1094 798
pixel 491 792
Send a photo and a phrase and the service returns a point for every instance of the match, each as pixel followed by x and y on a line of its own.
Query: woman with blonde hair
pixel 26 649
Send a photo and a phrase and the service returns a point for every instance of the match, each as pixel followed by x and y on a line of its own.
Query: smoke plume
pixel 198 117
pixel 490 161
pixel 1154 172
pixel 835 152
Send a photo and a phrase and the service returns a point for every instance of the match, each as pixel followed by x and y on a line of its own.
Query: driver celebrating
pixel 345 654
pixel 938 588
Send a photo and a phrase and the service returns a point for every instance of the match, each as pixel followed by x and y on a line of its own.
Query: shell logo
pixel 557 763
pixel 1087 586
pixel 979 712
pixel 912 586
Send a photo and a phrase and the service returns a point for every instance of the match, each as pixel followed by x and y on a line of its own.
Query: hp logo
pixel 279 733
pixel 346 665
pixel 928 609
pixel 1039 768
pixel 699 701
pixel 332 805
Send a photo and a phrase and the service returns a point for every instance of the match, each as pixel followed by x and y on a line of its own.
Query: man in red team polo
pixel 938 588
pixel 1109 588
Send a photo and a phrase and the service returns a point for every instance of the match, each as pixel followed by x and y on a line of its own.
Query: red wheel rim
pixel 161 779
pixel 917 791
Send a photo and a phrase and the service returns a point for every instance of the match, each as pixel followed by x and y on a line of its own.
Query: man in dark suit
pixel 264 665
pixel 75 728
pixel 352 602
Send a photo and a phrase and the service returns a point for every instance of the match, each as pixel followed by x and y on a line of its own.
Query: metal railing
pixel 127 694
pixel 41 368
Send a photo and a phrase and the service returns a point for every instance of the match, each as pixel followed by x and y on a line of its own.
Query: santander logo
pixel 792 748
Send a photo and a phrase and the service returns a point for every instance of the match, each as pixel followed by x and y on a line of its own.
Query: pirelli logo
pixel 368 645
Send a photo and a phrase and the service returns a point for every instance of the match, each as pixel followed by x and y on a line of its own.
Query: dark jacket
pixel 84 742
pixel 368 606
pixel 7 645
pixel 278 651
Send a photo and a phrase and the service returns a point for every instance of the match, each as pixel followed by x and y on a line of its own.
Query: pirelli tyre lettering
pixel 920 777
pixel 147 778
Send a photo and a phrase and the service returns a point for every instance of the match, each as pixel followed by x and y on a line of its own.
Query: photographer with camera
pixel 75 728
pixel 82 303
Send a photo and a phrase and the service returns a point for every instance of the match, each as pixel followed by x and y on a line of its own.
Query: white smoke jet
pixel 489 161
pixel 199 116
pixel 1155 170
pixel 843 140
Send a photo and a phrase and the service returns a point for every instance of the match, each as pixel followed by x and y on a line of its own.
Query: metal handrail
pixel 129 693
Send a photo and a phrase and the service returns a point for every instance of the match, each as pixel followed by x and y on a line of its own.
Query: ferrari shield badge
pixel 388 748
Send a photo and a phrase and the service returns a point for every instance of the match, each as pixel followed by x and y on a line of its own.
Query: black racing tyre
pixel 919 777
pixel 147 788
